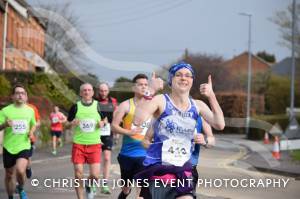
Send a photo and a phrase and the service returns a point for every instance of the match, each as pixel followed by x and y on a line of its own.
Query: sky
pixel 127 37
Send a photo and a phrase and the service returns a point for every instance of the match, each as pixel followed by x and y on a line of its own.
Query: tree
pixel 122 84
pixel 5 88
pixel 259 82
pixel 205 65
pixel 270 58
pixel 277 95
pixel 62 52
pixel 283 19
pixel 123 79
pixel 122 89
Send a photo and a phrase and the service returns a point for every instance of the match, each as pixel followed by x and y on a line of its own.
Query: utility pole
pixel 292 105
pixel 248 116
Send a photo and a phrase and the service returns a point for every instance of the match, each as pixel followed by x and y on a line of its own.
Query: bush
pixel 44 137
pixel 295 155
pixel 5 87
pixel 121 96
pixel 278 94
pixel 43 85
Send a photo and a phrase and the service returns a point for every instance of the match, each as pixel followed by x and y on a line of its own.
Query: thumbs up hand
pixel 206 88
pixel 156 84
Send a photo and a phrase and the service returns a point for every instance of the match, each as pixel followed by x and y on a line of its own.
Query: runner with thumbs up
pixel 175 117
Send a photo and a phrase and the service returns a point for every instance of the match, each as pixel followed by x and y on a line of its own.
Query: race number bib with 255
pixel 19 126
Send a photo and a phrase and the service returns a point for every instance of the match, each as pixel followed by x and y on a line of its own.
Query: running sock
pixel 20 187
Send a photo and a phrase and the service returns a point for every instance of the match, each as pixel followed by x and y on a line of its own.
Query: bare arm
pixel 119 114
pixel 63 118
pixel 214 116
pixel 148 138
pixel 208 132
pixel 147 108
pixel 199 137
pixel 31 132
pixel 4 125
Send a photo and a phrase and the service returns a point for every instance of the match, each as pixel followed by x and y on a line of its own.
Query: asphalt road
pixel 217 166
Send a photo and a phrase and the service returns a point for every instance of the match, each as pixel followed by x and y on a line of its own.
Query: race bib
pixel 19 126
pixel 55 120
pixel 87 126
pixel 105 131
pixel 176 151
pixel 144 126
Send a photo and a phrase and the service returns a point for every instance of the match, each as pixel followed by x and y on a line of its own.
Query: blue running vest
pixel 172 123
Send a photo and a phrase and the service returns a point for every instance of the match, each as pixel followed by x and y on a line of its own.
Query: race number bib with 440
pixel 87 126
pixel 19 126
pixel 176 151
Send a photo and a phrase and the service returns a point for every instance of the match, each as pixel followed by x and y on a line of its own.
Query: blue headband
pixel 177 67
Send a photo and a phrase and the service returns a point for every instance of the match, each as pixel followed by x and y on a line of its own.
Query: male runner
pixel 85 117
pixel 132 153
pixel 18 122
pixel 107 106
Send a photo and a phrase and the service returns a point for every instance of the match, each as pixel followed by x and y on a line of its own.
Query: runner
pixel 33 139
pixel 18 122
pixel 132 153
pixel 176 115
pixel 85 117
pixel 207 141
pixel 57 118
pixel 107 106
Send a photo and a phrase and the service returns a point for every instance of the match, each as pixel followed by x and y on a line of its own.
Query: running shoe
pixel 105 190
pixel 89 192
pixel 22 193
pixel 94 189
pixel 61 144
pixel 54 152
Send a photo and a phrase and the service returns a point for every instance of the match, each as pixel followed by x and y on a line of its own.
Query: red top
pixel 105 101
pixel 56 124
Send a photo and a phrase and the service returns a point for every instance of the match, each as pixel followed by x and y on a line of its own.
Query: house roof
pixel 227 63
pixel 30 10
pixel 33 13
